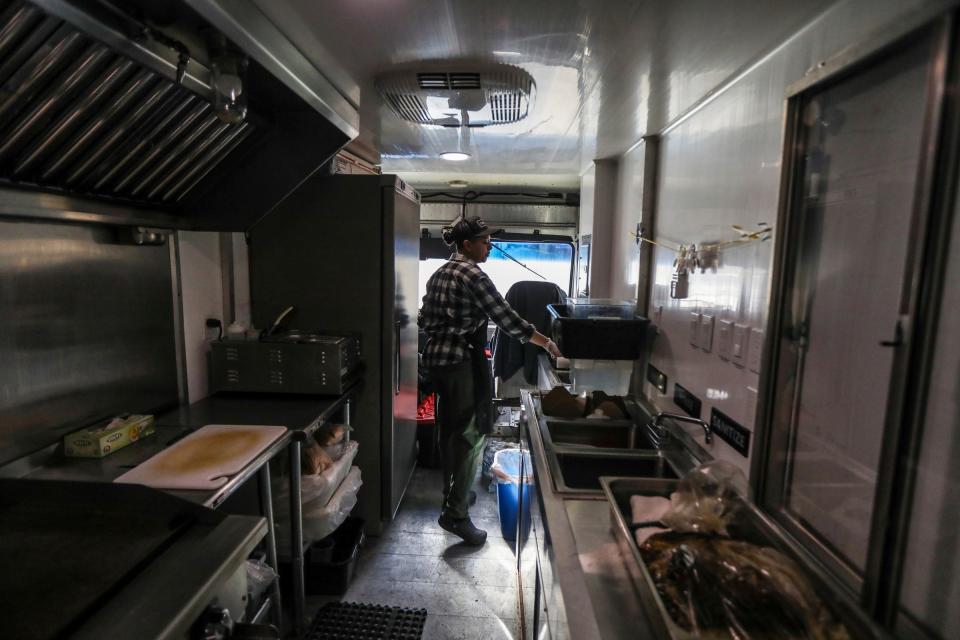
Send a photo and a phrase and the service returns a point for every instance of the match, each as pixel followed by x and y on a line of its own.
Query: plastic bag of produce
pixel 706 499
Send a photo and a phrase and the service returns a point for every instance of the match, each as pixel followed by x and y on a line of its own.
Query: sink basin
pixel 604 434
pixel 580 471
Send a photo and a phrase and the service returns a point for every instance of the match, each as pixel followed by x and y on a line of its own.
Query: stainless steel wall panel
pixel 88 331
pixel 437 214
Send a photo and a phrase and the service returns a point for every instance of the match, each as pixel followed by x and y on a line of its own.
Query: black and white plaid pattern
pixel 460 297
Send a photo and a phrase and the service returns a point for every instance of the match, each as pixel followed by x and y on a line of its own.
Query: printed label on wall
pixel 732 432
pixel 686 401
pixel 657 378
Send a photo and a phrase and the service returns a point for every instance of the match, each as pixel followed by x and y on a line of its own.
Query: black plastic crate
pixel 598 338
pixel 329 572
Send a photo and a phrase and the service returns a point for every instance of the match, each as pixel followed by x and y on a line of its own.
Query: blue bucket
pixel 513 498
pixel 508 495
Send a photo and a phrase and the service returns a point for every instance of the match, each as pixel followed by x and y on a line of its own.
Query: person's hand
pixel 553 349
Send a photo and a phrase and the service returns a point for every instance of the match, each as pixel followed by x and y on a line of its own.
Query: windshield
pixel 552 260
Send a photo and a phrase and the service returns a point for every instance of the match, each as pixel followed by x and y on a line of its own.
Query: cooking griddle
pixel 69 547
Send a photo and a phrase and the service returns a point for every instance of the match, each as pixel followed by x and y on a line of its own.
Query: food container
pixel 750 525
pixel 598 330
pixel 104 439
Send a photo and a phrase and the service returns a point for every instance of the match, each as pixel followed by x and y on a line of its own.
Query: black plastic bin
pixel 606 337
pixel 329 572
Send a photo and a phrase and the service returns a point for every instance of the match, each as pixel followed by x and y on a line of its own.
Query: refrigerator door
pixel 400 448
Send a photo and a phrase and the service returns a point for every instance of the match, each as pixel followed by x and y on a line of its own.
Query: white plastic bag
pixel 320 520
pixel 319 488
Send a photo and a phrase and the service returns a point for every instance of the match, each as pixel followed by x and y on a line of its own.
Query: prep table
pixel 302 415
pixel 51 464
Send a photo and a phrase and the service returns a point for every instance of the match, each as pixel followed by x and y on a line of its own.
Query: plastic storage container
pixel 598 330
pixel 611 376
pixel 329 568
pixel 513 498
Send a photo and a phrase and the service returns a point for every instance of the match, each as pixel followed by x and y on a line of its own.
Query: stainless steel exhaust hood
pixel 95 126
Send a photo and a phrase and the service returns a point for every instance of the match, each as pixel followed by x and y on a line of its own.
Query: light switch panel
pixel 738 346
pixel 724 338
pixel 695 329
pixel 706 332
pixel 754 358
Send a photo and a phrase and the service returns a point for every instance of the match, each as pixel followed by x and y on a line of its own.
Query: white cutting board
pixel 205 459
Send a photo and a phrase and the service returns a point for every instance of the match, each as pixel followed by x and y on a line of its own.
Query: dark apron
pixel 482 381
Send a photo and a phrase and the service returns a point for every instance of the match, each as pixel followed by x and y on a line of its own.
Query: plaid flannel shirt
pixel 460 297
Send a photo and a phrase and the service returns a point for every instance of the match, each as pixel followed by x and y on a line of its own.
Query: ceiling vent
pixel 466 95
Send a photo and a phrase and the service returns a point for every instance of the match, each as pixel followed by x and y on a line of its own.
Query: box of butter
pixel 100 440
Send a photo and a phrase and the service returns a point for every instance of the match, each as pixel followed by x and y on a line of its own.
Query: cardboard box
pixel 99 441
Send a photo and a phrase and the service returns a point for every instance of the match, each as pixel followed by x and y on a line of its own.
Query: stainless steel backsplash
pixel 86 331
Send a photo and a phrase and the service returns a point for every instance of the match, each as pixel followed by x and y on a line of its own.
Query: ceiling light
pixel 454 156
pixel 458 184
pixel 507 54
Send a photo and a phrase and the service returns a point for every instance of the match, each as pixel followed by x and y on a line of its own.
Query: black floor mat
pixel 358 621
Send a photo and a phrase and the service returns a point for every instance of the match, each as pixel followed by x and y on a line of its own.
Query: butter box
pixel 99 441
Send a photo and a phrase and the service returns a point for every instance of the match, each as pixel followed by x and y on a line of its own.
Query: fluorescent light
pixel 507 54
pixel 454 156
pixel 458 184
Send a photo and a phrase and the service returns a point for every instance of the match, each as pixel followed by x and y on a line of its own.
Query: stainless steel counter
pixel 599 595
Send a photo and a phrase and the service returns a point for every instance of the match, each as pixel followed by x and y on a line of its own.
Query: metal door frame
pixel 926 261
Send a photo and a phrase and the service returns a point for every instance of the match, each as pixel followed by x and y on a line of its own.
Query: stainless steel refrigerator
pixel 344 251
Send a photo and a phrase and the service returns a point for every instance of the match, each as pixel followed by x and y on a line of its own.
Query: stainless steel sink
pixel 579 471
pixel 603 434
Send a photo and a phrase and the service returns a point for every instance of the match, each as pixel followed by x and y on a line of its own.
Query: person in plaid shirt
pixel 459 300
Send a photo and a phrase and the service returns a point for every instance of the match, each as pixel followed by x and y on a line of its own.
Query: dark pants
pixel 461 442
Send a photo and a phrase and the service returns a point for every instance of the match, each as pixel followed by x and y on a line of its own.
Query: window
pixel 551 259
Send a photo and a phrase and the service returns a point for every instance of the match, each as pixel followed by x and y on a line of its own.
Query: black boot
pixel 463 528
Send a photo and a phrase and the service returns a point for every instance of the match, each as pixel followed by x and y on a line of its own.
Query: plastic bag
pixel 319 488
pixel 506 466
pixel 489 451
pixel 319 521
pixel 720 588
pixel 706 499
pixel 260 576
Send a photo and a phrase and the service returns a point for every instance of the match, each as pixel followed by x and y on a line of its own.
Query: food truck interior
pixel 735 221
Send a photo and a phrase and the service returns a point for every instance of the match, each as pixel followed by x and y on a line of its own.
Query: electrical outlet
pixel 695 329
pixel 724 338
pixel 706 332
pixel 754 358
pixel 738 346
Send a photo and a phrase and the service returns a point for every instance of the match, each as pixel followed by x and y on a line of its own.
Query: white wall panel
pixel 202 298
pixel 625 258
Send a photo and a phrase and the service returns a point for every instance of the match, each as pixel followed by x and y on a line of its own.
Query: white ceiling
pixel 607 72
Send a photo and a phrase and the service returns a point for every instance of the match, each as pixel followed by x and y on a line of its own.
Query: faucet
pixel 657 432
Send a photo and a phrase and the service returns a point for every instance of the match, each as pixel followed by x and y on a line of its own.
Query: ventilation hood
pixel 458 95
pixel 106 116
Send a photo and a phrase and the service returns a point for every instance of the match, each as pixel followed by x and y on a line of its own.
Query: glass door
pixel 860 148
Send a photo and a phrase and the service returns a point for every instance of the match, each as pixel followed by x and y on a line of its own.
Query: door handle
pixel 897 337
pixel 396 328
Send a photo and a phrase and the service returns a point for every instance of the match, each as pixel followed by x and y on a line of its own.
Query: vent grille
pixel 462 81
pixel 77 117
pixel 507 95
